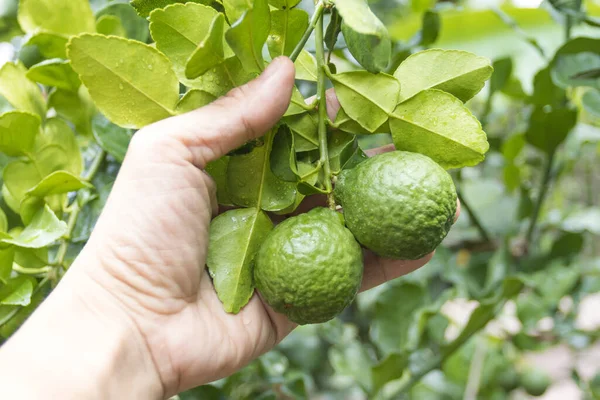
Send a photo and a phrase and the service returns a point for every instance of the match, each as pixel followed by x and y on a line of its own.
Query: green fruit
pixel 310 267
pixel 535 382
pixel 508 379
pixel 400 205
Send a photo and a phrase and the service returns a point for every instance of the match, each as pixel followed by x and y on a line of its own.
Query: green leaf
pixel 591 102
pixel 344 123
pixel 55 72
pixel 66 17
pixel 459 73
pixel 57 133
pixel 569 70
pixel 549 128
pixel 75 107
pixel 145 7
pixel 287 29
pixel 306 67
pixel 234 9
pixel 221 79
pixel 341 147
pixel 251 182
pixel 135 26
pixel 503 69
pixel 432 26
pixel 17 291
pixel 113 139
pixel 20 176
pixel 7 257
pixel 57 183
pixel 249 34
pixel 15 316
pixel 110 25
pixel 297 104
pixel 218 171
pixel 193 100
pixel 283 155
pixel 391 368
pixel 438 125
pixel 133 90
pixel 20 92
pixel 333 30
pixel 18 131
pixel 368 99
pixel 545 91
pixel 393 311
pixel 235 237
pixel 366 36
pixel 179 29
pixel 45 228
pixel 210 52
pixel 50 45
pixel 305 130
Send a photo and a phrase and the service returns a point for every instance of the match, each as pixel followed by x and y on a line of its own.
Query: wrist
pixel 79 344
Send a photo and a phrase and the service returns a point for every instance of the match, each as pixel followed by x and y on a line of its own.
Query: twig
pixel 544 183
pixel 317 16
pixel 473 217
pixel 322 101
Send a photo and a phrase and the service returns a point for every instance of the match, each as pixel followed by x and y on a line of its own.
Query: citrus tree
pixel 85 75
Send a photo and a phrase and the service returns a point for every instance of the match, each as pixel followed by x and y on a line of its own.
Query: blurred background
pixel 509 308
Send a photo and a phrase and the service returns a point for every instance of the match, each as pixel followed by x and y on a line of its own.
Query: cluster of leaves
pixel 212 47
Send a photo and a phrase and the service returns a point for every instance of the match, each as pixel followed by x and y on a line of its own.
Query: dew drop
pixel 150 67
pixel 121 86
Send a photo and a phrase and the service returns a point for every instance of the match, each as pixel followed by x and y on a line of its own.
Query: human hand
pixel 141 279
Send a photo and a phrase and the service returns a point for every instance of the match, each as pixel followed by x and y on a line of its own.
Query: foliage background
pixel 393 336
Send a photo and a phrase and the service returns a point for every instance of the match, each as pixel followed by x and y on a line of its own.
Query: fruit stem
pixel 322 102
pixel 316 17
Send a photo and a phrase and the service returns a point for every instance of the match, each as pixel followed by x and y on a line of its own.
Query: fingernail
pixel 273 69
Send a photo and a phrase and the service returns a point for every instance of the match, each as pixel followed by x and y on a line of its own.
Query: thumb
pixel 245 113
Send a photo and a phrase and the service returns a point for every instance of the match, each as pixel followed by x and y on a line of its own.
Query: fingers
pixel 379 270
pixel 243 114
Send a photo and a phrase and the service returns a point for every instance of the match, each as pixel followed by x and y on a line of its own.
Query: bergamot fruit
pixel 310 267
pixel 400 205
pixel 535 381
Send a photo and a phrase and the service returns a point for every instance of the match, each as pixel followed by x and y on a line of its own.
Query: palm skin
pixel 146 257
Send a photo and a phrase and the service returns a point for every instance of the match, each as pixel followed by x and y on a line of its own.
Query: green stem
pixel 544 183
pixel 31 271
pixel 473 217
pixel 322 102
pixel 317 16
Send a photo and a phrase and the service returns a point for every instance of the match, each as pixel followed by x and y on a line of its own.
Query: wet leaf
pixel 287 28
pixel 131 91
pixel 367 99
pixel 235 237
pixel 210 52
pixel 366 36
pixel 438 125
pixel 18 131
pixel 249 34
pixel 45 228
pixel 459 73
